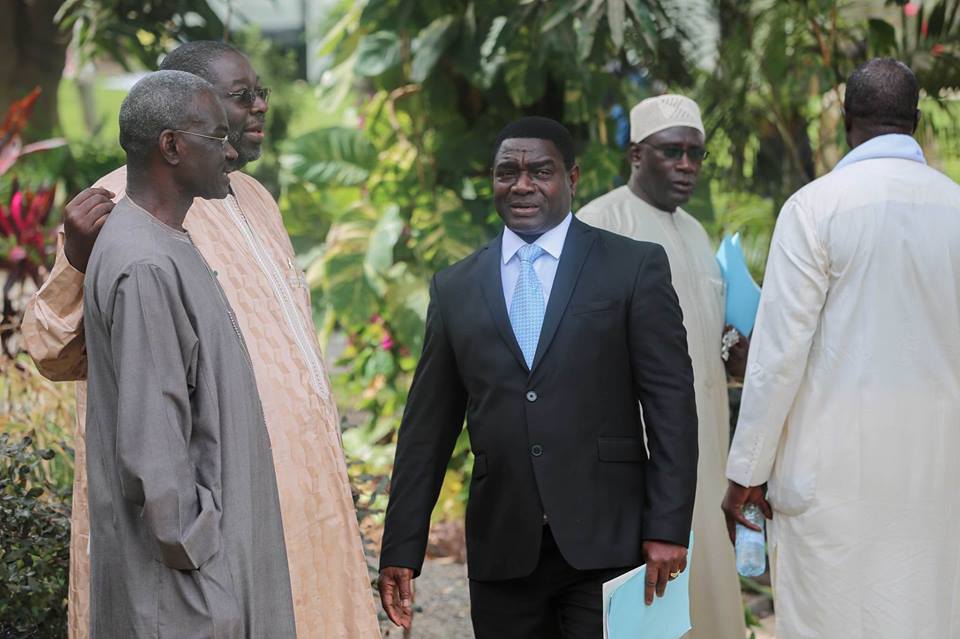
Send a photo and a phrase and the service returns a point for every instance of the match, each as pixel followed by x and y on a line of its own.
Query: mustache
pixel 236 133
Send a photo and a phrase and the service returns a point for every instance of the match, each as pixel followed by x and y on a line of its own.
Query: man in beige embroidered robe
pixel 666 151
pixel 243 239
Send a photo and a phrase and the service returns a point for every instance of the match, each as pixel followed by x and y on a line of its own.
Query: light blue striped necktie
pixel 527 306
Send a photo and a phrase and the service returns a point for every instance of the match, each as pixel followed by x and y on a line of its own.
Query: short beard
pixel 246 153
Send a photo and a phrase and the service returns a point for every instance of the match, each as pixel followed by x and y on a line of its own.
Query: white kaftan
pixel 716 608
pixel 851 410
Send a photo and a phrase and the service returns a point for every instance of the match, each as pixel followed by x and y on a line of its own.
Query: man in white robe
pixel 851 412
pixel 666 153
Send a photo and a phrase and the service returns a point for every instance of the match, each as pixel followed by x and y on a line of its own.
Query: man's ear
pixel 574 176
pixel 634 153
pixel 847 122
pixel 916 120
pixel 169 147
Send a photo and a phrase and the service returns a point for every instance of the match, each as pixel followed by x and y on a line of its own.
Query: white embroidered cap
pixel 662 112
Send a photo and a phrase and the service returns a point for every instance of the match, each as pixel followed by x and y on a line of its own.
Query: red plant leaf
pixel 16 210
pixel 17 116
pixel 40 208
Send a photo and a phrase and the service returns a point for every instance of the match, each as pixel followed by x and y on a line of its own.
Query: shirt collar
pixel 551 241
pixel 891 145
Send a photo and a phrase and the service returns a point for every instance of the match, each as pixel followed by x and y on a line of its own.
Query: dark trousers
pixel 555 601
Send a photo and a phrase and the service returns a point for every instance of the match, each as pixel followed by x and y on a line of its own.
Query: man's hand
pixel 664 562
pixel 736 498
pixel 737 361
pixel 82 219
pixel 396 594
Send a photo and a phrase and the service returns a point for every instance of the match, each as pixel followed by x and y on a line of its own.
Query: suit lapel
pixel 492 287
pixel 580 238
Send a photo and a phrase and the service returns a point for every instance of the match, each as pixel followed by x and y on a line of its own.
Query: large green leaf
pixel 936 21
pixel 882 37
pixel 430 44
pixel 383 239
pixel 587 32
pixel 616 18
pixel 333 156
pixel 489 45
pixel 526 80
pixel 406 302
pixel 376 53
pixel 492 55
pixel 343 273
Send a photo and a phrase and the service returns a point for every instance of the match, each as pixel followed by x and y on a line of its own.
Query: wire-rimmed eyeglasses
pixel 223 141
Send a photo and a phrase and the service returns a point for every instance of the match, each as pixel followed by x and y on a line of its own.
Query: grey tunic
pixel 186 535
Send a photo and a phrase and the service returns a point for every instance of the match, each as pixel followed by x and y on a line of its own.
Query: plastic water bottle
pixel 750 546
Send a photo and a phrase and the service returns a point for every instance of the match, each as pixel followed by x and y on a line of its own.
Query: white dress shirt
pixel 545 267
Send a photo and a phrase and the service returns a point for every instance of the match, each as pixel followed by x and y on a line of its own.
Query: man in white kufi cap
pixel 666 152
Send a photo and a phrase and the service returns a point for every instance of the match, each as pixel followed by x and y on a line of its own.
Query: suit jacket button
pixel 531 396
pixel 536 450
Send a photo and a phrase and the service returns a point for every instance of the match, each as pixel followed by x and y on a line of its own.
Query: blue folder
pixel 668 617
pixel 743 294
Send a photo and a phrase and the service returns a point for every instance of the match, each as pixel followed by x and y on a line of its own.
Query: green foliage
pixel 772 105
pixel 34 543
pixel 138 32
pixel 37 419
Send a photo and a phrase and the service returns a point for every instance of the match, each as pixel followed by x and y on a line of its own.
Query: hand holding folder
pixel 626 615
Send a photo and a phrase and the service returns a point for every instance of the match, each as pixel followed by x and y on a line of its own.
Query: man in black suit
pixel 546 338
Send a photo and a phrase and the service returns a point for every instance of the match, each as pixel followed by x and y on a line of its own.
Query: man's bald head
pixel 881 97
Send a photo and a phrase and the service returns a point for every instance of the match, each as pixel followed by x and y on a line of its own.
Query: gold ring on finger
pixel 674 575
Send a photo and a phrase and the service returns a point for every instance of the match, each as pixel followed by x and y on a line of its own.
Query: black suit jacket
pixel 564 438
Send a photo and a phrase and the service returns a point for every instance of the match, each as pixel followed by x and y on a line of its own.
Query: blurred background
pixel 378 150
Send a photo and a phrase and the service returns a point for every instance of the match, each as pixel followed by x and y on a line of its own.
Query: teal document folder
pixel 743 294
pixel 626 616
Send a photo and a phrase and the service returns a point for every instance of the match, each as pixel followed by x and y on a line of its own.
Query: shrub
pixel 34 543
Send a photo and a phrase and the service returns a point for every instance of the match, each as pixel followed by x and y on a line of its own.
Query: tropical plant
pixel 34 543
pixel 37 418
pixel 772 103
pixel 137 32
pixel 25 246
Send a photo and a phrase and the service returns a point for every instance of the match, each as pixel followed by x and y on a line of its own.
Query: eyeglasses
pixel 247 98
pixel 674 152
pixel 223 141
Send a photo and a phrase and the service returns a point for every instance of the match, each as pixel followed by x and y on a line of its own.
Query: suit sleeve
pixel 154 350
pixel 431 423
pixel 52 325
pixel 663 378
pixel 794 292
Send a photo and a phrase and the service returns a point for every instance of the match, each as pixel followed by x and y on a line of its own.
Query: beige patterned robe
pixel 243 240
pixel 715 608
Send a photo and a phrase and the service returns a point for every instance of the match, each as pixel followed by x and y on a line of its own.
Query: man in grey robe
pixel 186 538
